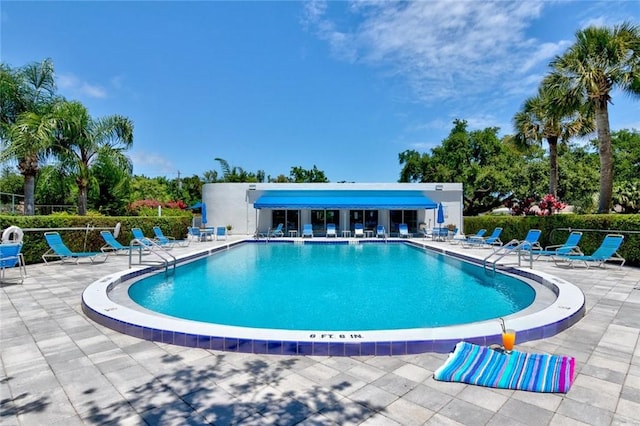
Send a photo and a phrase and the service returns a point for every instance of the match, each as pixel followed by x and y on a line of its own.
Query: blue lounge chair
pixel 381 232
pixel 278 232
pixel 606 252
pixel 164 240
pixel 403 231
pixel 568 247
pixel 307 230
pixel 194 233
pixel 59 251
pixel 494 238
pixel 221 233
pixel 114 246
pixel 474 240
pixel 11 256
pixel 358 230
pixel 530 241
pixel 331 230
pixel 139 237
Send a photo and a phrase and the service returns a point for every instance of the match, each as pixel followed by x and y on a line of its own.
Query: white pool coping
pixel 105 297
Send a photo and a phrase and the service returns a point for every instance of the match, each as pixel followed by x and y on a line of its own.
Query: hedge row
pixel 88 238
pixel 554 230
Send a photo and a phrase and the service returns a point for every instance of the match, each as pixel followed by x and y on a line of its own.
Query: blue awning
pixel 344 199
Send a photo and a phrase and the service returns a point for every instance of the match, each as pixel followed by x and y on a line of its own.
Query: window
pixel 410 217
pixel 320 218
pixel 289 218
pixel 369 218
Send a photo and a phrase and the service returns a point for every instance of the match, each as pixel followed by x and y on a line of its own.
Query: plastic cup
pixel 508 340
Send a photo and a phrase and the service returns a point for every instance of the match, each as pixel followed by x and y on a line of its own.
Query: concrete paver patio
pixel 60 368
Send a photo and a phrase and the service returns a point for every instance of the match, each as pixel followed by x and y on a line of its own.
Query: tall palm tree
pixel 31 142
pixel 82 140
pixel 26 97
pixel 601 60
pixel 546 117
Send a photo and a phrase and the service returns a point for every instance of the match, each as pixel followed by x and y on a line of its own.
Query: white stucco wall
pixel 232 203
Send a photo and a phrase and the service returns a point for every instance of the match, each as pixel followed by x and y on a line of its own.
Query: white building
pixel 248 207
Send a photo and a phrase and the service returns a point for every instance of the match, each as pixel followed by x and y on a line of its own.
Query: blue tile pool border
pixel 322 348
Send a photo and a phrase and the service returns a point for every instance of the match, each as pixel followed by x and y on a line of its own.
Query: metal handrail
pixel 153 248
pixel 512 246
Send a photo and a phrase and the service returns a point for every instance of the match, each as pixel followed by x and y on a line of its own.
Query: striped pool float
pixel 480 365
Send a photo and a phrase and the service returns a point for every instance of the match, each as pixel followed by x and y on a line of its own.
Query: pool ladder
pixel 166 258
pixel 521 248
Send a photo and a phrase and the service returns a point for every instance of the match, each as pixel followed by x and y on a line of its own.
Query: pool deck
pixel 60 368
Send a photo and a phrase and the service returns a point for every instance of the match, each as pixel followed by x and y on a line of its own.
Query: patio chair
pixel 59 251
pixel 307 230
pixel 606 252
pixel 439 234
pixel 113 246
pixel 479 241
pixel 278 232
pixel 479 234
pixel 331 230
pixel 570 246
pixel 221 233
pixel 165 240
pixel 530 242
pixel 140 239
pixel 403 231
pixel 358 230
pixel 194 233
pixel 457 237
pixel 11 256
pixel 381 232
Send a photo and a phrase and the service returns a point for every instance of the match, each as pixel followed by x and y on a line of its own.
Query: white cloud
pixel 443 49
pixel 151 164
pixel 544 53
pixel 76 87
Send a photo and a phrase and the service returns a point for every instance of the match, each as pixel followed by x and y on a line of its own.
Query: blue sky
pixel 345 86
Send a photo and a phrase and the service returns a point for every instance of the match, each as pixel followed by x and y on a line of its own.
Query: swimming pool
pixel 332 287
pixel 107 302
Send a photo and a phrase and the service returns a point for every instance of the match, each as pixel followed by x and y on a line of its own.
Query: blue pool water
pixel 332 287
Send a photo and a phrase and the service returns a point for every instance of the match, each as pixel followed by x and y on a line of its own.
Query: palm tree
pixel 82 140
pixel 31 143
pixel 545 117
pixel 26 97
pixel 601 60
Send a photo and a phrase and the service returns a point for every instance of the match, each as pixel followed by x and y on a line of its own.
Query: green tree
pixel 26 97
pixel 11 182
pixel 478 158
pixel 192 189
pixel 238 174
pixel 54 186
pixel 601 60
pixel 144 188
pixel 300 175
pixel 544 118
pixel 578 166
pixel 110 188
pixel 31 143
pixel 82 140
pixel 626 153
